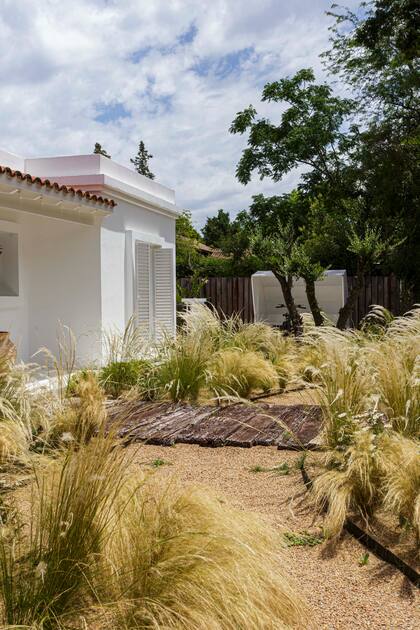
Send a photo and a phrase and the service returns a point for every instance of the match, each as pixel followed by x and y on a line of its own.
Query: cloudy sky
pixel 170 72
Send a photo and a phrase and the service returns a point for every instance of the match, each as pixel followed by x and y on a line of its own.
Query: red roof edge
pixel 6 170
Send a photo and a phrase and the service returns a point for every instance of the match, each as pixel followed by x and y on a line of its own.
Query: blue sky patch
pixel 110 112
pixel 223 66
pixel 139 54
pixel 189 35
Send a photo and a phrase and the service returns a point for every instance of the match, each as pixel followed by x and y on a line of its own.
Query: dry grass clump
pixel 180 558
pixel 207 348
pixel 396 367
pixel 350 483
pixel 396 372
pixel 400 478
pixel 272 344
pixel 80 418
pixel 95 543
pixel 48 555
pixel 357 372
pixel 378 470
pixel 344 384
pixel 14 443
pixel 239 373
pixel 23 412
pixel 369 389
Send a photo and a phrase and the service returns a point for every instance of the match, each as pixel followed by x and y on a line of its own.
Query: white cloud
pixel 62 61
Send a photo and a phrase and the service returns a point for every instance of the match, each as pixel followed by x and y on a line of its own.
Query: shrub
pixel 181 373
pixel 233 372
pixel 121 376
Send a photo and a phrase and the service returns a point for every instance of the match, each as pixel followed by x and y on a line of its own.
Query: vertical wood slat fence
pixel 234 296
pixel 227 295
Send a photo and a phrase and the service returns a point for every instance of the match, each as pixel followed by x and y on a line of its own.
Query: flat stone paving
pixel 258 424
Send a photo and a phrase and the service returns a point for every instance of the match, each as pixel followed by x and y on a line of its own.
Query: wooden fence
pixel 233 295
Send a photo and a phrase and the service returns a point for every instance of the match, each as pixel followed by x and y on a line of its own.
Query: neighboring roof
pixel 213 252
pixel 50 185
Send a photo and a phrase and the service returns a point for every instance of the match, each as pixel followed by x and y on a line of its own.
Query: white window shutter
pixel 164 314
pixel 142 287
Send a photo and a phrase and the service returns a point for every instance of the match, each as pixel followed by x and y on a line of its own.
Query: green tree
pixel 288 225
pixel 187 237
pixel 98 149
pixel 216 229
pixel 310 134
pixel 376 53
pixel 316 132
pixel 141 161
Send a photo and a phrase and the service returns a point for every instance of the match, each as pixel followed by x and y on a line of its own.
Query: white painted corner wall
pixel 118 235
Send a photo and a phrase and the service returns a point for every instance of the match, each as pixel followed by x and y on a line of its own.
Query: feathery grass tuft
pixel 400 468
pixel 351 483
pixel 136 552
pixel 182 559
pixel 82 417
pixel 237 373
pixel 45 565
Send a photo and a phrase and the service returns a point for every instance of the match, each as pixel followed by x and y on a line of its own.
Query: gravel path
pixel 341 593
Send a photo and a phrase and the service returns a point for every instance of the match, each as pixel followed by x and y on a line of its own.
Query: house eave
pixel 22 196
pixel 109 186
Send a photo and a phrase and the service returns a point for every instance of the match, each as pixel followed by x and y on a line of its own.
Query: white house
pixel 86 242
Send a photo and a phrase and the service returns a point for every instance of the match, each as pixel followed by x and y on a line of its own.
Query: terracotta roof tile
pixel 5 170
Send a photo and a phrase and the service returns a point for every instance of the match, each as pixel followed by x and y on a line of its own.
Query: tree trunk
pixel 345 311
pixel 295 318
pixel 313 302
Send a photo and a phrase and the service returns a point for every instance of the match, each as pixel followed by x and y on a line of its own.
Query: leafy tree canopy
pixel 376 52
pixel 309 133
pixel 187 237
pixel 216 229
pixel 185 228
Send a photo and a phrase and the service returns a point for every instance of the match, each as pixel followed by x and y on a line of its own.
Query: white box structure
pixel 268 301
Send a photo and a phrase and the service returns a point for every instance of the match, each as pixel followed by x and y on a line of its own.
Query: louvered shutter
pixel 142 287
pixel 164 314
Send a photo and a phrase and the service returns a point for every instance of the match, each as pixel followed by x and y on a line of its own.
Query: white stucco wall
pixel 64 283
pixel 117 287
pixel 59 281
